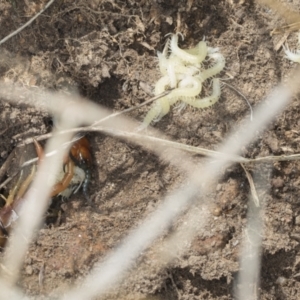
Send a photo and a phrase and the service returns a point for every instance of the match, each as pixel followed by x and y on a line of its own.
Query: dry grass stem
pixel 252 186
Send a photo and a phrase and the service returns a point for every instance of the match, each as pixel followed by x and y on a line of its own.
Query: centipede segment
pixel 182 70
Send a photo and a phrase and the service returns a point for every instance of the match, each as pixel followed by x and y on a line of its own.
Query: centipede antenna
pixel 78 187
pixel 243 96
pixel 77 137
pixel 13 192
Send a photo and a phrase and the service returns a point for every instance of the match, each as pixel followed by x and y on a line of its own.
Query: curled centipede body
pixel 193 56
pixel 183 71
pixel 190 88
pixel 209 100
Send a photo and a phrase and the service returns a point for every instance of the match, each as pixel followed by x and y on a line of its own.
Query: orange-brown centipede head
pixel 80 152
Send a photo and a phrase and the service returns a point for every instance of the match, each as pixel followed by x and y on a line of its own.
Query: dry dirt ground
pixel 106 50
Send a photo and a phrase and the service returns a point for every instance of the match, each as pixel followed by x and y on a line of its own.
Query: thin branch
pixel 175 145
pixel 144 138
pixel 26 24
pixel 243 96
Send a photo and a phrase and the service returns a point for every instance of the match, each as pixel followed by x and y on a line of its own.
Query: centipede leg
pixel 62 185
pixel 26 183
pixel 39 150
pixel 12 193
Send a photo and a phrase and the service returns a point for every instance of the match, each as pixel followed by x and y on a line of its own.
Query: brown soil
pixel 106 50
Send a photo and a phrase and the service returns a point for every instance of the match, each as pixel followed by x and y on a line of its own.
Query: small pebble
pixel 281 280
pixel 297 220
pixel 29 270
